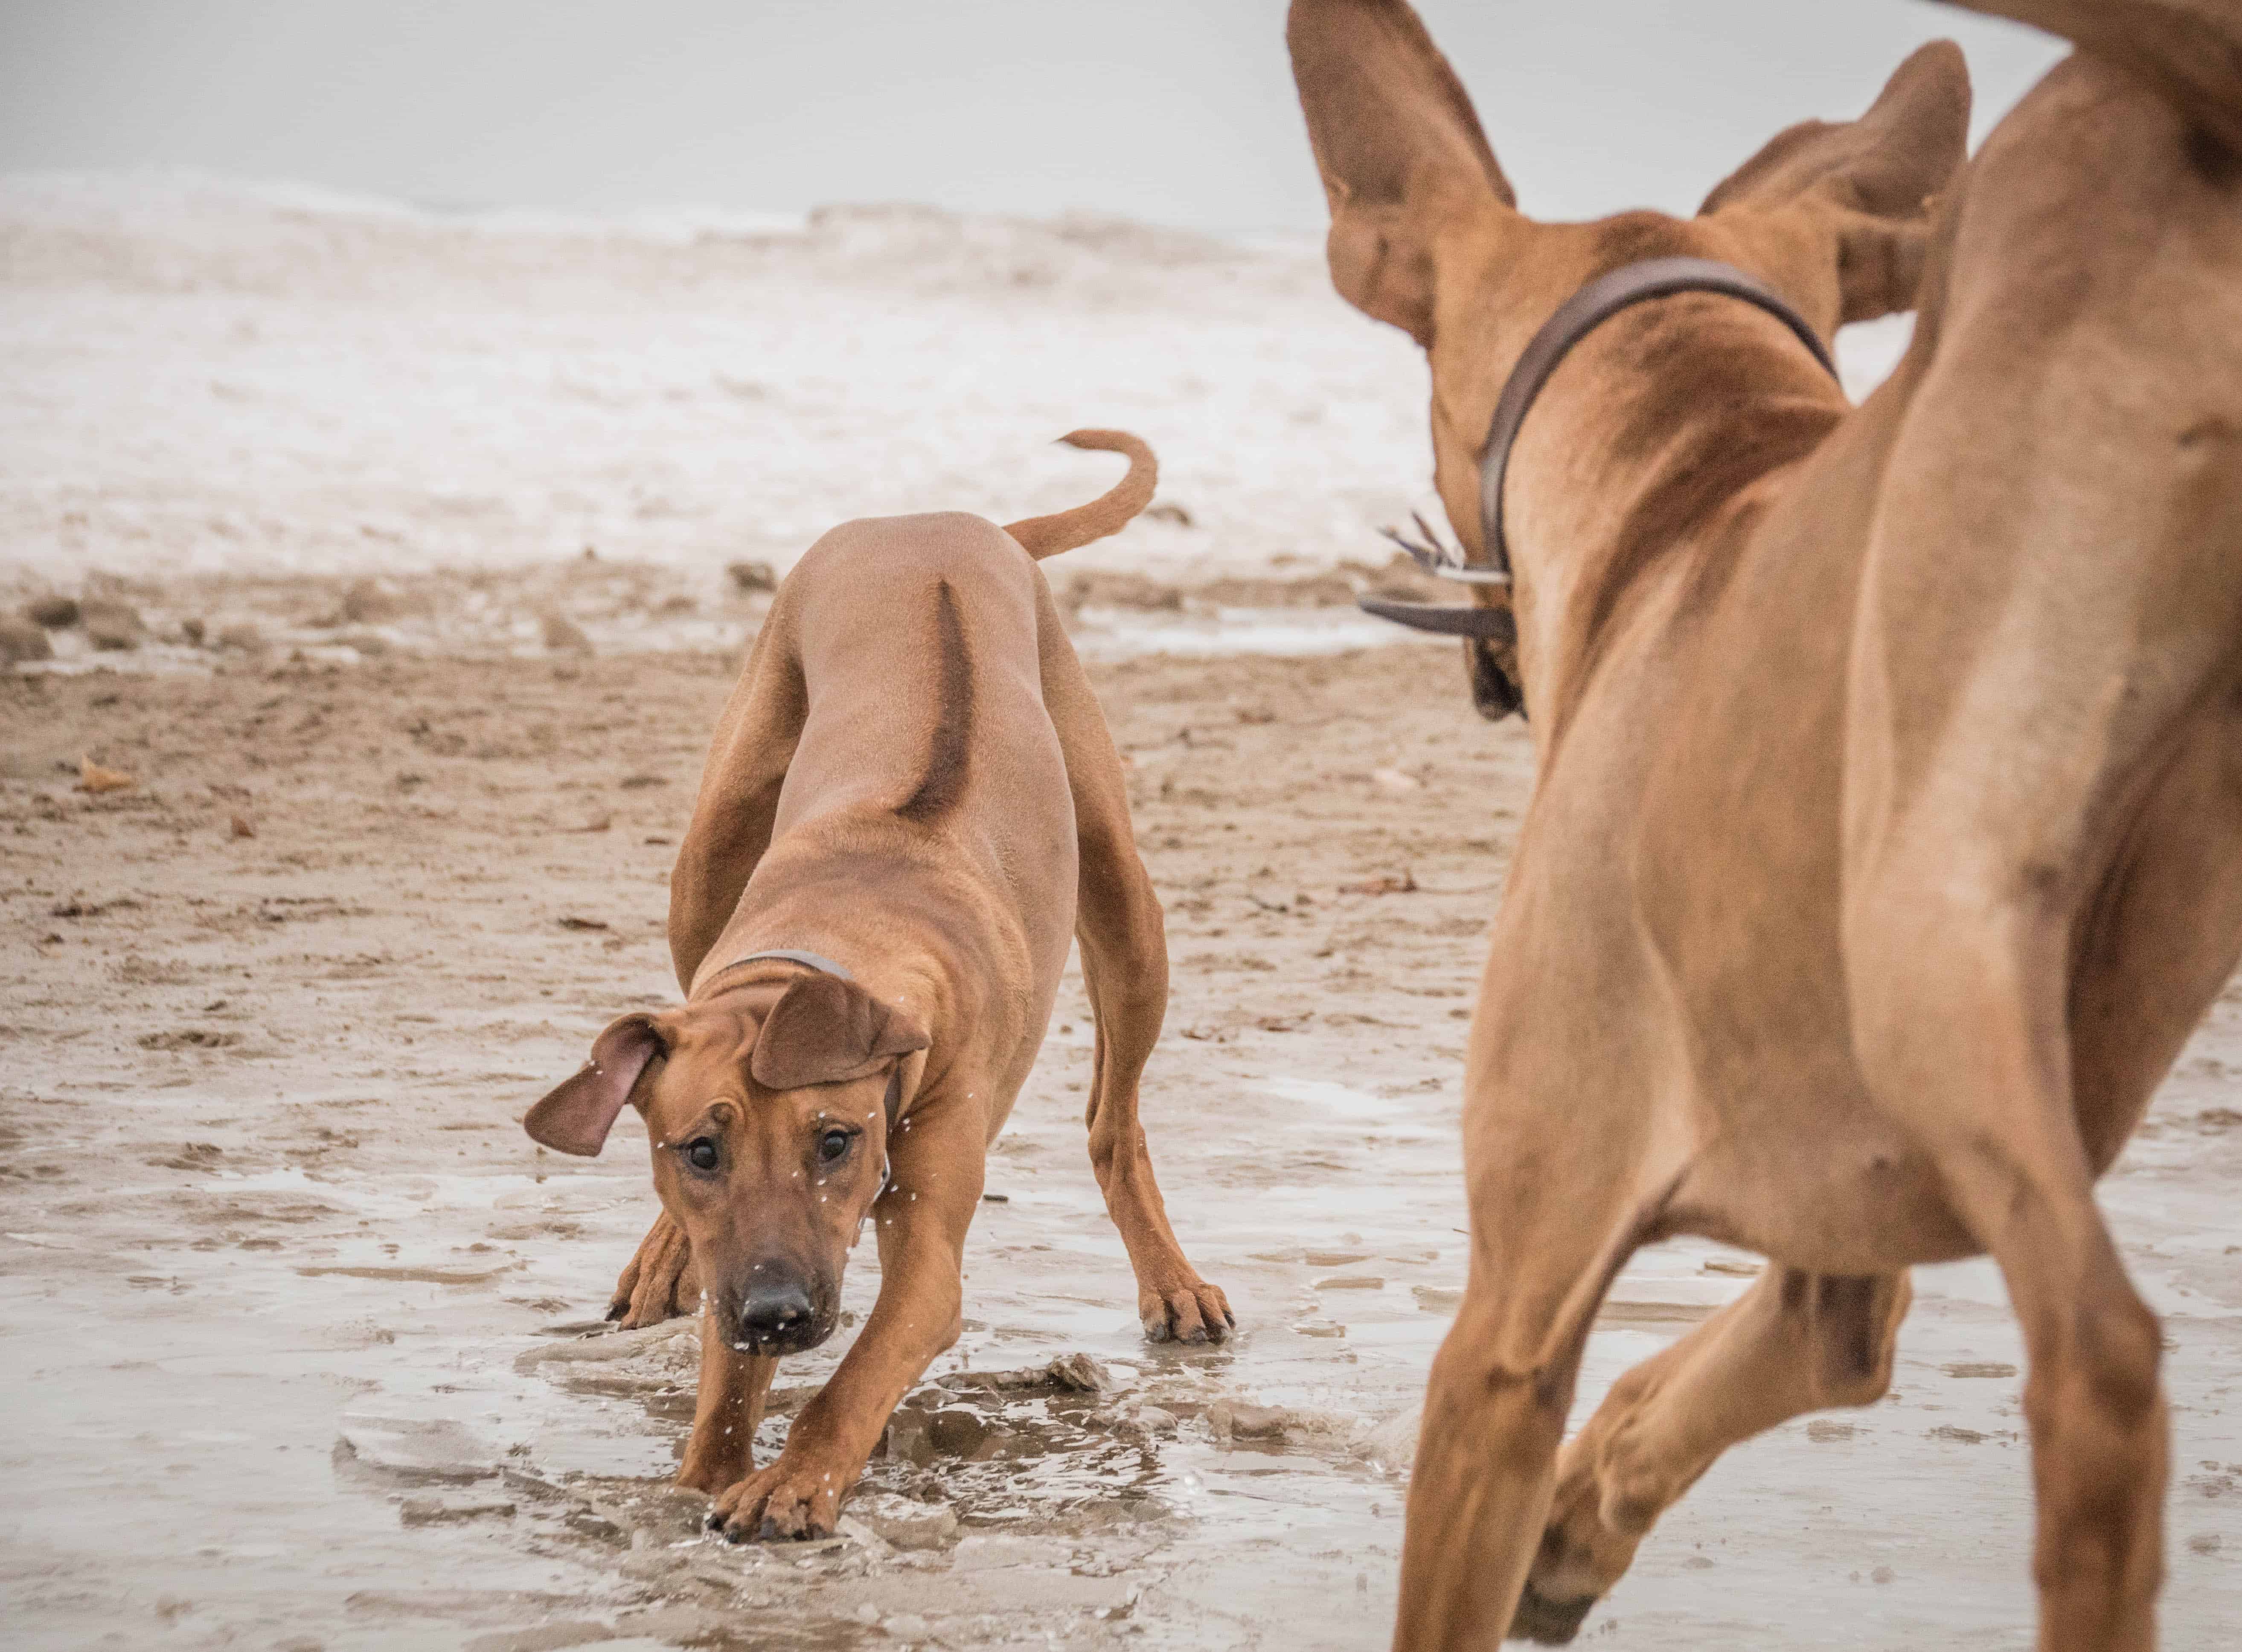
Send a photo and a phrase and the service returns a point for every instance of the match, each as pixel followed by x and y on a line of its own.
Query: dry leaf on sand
pixel 1384 884
pixel 92 777
pixel 242 828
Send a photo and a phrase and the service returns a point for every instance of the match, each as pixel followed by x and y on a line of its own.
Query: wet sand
pixel 294 1313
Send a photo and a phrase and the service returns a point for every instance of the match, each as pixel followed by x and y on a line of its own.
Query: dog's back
pixel 914 638
pixel 892 712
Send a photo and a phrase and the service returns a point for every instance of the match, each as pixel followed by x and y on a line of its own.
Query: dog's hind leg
pixel 1545 1248
pixel 1793 1342
pixel 2019 1029
pixel 1961 1033
pixel 1125 965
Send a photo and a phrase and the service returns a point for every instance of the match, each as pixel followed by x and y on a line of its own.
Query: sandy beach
pixel 426 531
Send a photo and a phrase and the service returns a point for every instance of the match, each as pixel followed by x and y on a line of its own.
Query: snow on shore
pixel 202 377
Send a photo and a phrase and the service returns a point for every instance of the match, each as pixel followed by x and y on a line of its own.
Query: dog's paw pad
pixel 1196 1313
pixel 780 1502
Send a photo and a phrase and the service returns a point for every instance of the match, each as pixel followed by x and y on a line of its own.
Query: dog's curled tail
pixel 1046 535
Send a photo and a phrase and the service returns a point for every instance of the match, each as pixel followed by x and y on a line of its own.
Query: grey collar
pixel 792 956
pixel 795 955
pixel 827 966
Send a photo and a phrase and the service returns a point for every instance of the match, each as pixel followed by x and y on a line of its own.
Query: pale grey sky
pixel 1176 111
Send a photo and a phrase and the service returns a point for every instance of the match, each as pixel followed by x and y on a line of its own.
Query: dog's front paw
pixel 794 1497
pixel 1188 1310
pixel 660 1282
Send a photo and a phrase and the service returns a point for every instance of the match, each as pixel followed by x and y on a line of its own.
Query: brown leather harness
pixel 1486 628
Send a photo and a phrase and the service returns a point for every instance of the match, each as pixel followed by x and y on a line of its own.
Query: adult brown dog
pixel 911 803
pixel 1888 838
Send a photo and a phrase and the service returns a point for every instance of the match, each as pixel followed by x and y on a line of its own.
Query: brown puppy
pixel 911 805
pixel 1888 838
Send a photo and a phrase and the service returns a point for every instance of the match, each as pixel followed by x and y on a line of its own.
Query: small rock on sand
pixel 371 644
pixel 1123 591
pixel 1080 1374
pixel 372 602
pixel 752 576
pixel 412 1451
pixel 110 623
pixel 999 1550
pixel 1392 1443
pixel 20 640
pixel 1074 1373
pixel 565 636
pixel 905 1524
pixel 1235 1419
pixel 908 1437
pixel 956 1431
pixel 435 1511
pixel 55 612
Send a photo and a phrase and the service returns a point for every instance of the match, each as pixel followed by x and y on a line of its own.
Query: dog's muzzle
pixel 781 1316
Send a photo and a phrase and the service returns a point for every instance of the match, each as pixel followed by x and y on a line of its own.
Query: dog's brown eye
pixel 832 1145
pixel 700 1154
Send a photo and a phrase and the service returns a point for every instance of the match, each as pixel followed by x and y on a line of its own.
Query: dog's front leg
pixel 734 1386
pixel 937 1164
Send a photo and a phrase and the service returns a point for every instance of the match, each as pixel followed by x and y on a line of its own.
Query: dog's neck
pixel 1648 450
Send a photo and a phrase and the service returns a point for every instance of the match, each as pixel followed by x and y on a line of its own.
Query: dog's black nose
pixel 780 1311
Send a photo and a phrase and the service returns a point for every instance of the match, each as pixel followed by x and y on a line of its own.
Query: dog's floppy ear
pixel 1401 151
pixel 1871 179
pixel 577 1114
pixel 824 1030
